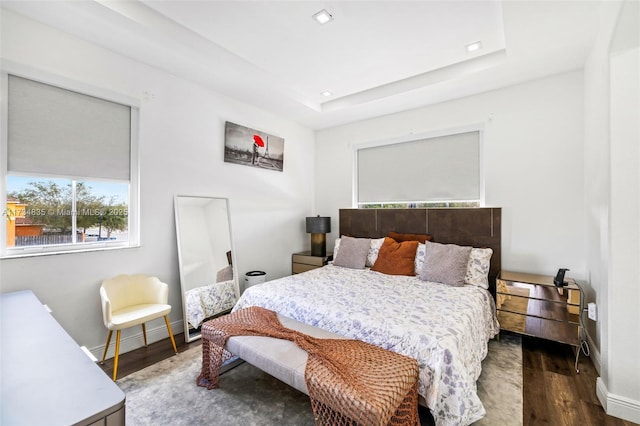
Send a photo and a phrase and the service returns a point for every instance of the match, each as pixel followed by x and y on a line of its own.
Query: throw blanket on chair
pixel 350 382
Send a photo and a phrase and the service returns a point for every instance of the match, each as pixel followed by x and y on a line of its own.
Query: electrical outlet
pixel 593 312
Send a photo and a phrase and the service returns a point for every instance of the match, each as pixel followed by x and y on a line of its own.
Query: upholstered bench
pixel 286 361
pixel 282 359
pixel 347 380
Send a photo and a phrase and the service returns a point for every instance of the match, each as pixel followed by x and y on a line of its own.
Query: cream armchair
pixel 129 300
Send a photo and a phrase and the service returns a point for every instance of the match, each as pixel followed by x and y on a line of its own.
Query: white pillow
pixel 374 249
pixel 336 247
pixel 478 267
pixel 419 257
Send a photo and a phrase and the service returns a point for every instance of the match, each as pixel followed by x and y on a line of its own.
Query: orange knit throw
pixel 350 382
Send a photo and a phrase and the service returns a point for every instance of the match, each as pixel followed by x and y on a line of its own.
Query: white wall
pixel 181 152
pixel 533 162
pixel 611 208
pixel 597 172
pixel 624 279
pixel 612 161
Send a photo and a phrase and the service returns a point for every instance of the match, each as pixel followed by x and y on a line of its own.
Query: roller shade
pixel 437 169
pixel 58 132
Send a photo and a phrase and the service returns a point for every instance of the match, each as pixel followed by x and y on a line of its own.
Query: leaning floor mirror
pixel 208 276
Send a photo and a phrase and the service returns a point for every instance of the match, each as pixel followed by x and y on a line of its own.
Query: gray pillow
pixel 445 263
pixel 353 252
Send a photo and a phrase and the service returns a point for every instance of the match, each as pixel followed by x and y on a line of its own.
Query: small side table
pixel 303 261
pixel 533 305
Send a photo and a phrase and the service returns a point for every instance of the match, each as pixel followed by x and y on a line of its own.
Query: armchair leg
pixel 173 342
pixel 115 359
pixel 106 347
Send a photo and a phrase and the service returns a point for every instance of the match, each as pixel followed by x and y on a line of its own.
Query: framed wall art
pixel 249 147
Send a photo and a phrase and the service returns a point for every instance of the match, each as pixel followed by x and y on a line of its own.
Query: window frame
pixel 412 137
pixel 12 68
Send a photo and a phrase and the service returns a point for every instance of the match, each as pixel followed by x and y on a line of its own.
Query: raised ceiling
pixel 375 57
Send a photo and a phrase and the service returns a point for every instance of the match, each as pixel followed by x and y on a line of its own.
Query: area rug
pixel 500 383
pixel 166 393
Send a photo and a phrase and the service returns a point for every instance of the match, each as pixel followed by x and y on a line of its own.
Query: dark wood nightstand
pixel 303 261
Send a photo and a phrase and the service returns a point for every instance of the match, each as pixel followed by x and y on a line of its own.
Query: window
pixel 70 176
pixel 443 171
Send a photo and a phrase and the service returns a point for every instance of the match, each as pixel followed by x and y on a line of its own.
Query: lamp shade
pixel 318 225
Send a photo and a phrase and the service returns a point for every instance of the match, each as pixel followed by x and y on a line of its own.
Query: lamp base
pixel 318 245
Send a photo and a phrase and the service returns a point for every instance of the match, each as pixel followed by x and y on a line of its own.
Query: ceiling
pixel 375 57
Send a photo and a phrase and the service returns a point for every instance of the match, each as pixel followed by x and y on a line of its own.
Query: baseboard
pixel 136 341
pixel 617 406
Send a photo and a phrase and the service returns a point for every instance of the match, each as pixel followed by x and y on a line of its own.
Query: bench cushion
pixel 282 359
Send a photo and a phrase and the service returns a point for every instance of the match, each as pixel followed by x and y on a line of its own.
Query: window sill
pixel 49 251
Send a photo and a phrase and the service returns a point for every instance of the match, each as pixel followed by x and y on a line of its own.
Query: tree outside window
pixel 49 215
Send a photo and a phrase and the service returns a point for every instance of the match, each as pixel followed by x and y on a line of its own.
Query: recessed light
pixel 323 16
pixel 472 47
pixel 326 93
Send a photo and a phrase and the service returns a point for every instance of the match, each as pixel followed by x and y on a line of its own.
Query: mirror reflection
pixel 208 278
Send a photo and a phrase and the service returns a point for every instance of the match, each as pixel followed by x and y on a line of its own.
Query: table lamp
pixel 318 227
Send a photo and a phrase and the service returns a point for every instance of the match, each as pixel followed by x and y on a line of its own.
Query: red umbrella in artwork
pixel 258 141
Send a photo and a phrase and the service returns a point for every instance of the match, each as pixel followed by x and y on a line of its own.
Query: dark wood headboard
pixel 475 227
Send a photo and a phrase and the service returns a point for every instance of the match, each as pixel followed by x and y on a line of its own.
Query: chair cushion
pixel 137 314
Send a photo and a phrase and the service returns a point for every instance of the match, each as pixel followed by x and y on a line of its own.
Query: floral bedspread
pixel 209 300
pixel 444 328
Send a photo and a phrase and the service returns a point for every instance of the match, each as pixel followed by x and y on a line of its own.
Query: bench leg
pixel 144 334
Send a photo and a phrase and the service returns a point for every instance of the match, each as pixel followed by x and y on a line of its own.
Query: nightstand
pixel 303 261
pixel 533 305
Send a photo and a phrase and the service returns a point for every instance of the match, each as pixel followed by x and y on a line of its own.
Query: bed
pixel 444 327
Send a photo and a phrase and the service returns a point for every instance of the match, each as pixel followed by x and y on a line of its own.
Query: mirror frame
pixel 189 334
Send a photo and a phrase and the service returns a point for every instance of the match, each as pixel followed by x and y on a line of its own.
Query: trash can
pixel 254 277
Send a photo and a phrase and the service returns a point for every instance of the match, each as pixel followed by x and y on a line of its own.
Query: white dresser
pixel 45 377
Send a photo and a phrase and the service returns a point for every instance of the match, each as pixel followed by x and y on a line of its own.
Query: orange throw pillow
pixel 421 238
pixel 396 258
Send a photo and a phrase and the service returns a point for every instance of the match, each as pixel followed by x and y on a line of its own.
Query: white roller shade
pixel 58 132
pixel 437 169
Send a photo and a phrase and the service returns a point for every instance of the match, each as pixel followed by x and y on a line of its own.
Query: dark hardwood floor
pixel 138 359
pixel 553 393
